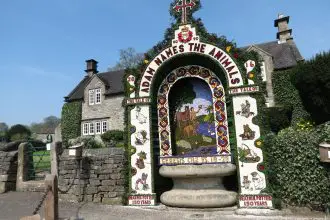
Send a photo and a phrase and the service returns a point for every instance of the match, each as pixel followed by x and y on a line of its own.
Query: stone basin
pixel 198 186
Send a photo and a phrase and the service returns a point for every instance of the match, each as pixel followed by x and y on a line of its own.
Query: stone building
pixel 102 94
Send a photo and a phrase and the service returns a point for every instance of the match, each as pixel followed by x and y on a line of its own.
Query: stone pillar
pixel 22 166
pixel 51 202
pixel 54 151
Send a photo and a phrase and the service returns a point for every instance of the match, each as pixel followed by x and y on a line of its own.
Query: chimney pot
pixel 91 67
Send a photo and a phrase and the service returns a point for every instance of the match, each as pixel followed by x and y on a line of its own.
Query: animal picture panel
pixel 192 118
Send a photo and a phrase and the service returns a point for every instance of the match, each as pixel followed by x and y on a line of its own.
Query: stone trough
pixel 198 186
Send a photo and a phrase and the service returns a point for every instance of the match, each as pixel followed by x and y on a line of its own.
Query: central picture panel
pixel 192 118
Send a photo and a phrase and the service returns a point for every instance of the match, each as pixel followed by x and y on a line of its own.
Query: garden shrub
pixel 70 121
pixel 90 142
pixel 295 174
pixel 312 79
pixel 113 137
pixel 18 132
pixel 120 145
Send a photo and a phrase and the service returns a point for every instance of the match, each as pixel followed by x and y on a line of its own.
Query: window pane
pixel 104 126
pixel 91 128
pixel 85 129
pixel 98 96
pixel 98 127
pixel 91 97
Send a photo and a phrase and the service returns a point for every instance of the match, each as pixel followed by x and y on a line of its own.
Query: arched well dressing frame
pixel 251 179
pixel 220 116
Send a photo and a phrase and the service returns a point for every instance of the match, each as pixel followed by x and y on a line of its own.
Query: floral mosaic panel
pixel 200 119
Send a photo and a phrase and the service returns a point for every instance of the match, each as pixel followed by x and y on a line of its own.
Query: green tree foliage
pixel 129 58
pixel 47 126
pixel 18 132
pixel 3 131
pixel 295 174
pixel 312 80
pixel 287 96
pixel 70 123
pixel 181 93
pixel 3 127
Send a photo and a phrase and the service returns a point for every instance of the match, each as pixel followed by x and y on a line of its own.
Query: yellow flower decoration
pixel 258 143
pixel 146 61
pixel 251 75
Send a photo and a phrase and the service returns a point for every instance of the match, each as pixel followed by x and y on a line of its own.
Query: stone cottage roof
pixel 285 55
pixel 112 81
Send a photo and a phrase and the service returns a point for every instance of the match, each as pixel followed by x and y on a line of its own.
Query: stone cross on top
pixel 184 6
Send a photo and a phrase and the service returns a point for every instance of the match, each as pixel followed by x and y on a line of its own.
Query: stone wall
pixel 102 177
pixel 8 170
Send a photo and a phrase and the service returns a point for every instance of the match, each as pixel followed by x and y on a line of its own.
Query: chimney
pixel 284 33
pixel 91 67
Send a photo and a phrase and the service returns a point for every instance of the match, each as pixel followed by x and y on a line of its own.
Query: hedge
pixel 287 96
pixel 312 79
pixel 70 121
pixel 295 174
pixel 279 118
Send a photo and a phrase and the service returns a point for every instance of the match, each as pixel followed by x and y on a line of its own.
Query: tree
pixel 51 122
pixel 3 127
pixel 312 79
pixel 18 132
pixel 47 126
pixel 129 58
pixel 3 131
pixel 187 95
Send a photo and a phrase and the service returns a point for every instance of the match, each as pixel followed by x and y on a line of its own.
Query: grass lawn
pixel 41 160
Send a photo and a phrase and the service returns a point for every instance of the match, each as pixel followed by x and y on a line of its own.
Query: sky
pixel 44 44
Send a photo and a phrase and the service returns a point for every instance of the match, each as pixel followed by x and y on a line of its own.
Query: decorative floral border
pixel 219 105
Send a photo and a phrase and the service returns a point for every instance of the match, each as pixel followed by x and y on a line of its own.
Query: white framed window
pixel 91 128
pixel 104 126
pixel 91 97
pixel 94 96
pixel 85 129
pixel 98 127
pixel 263 72
pixel 98 96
